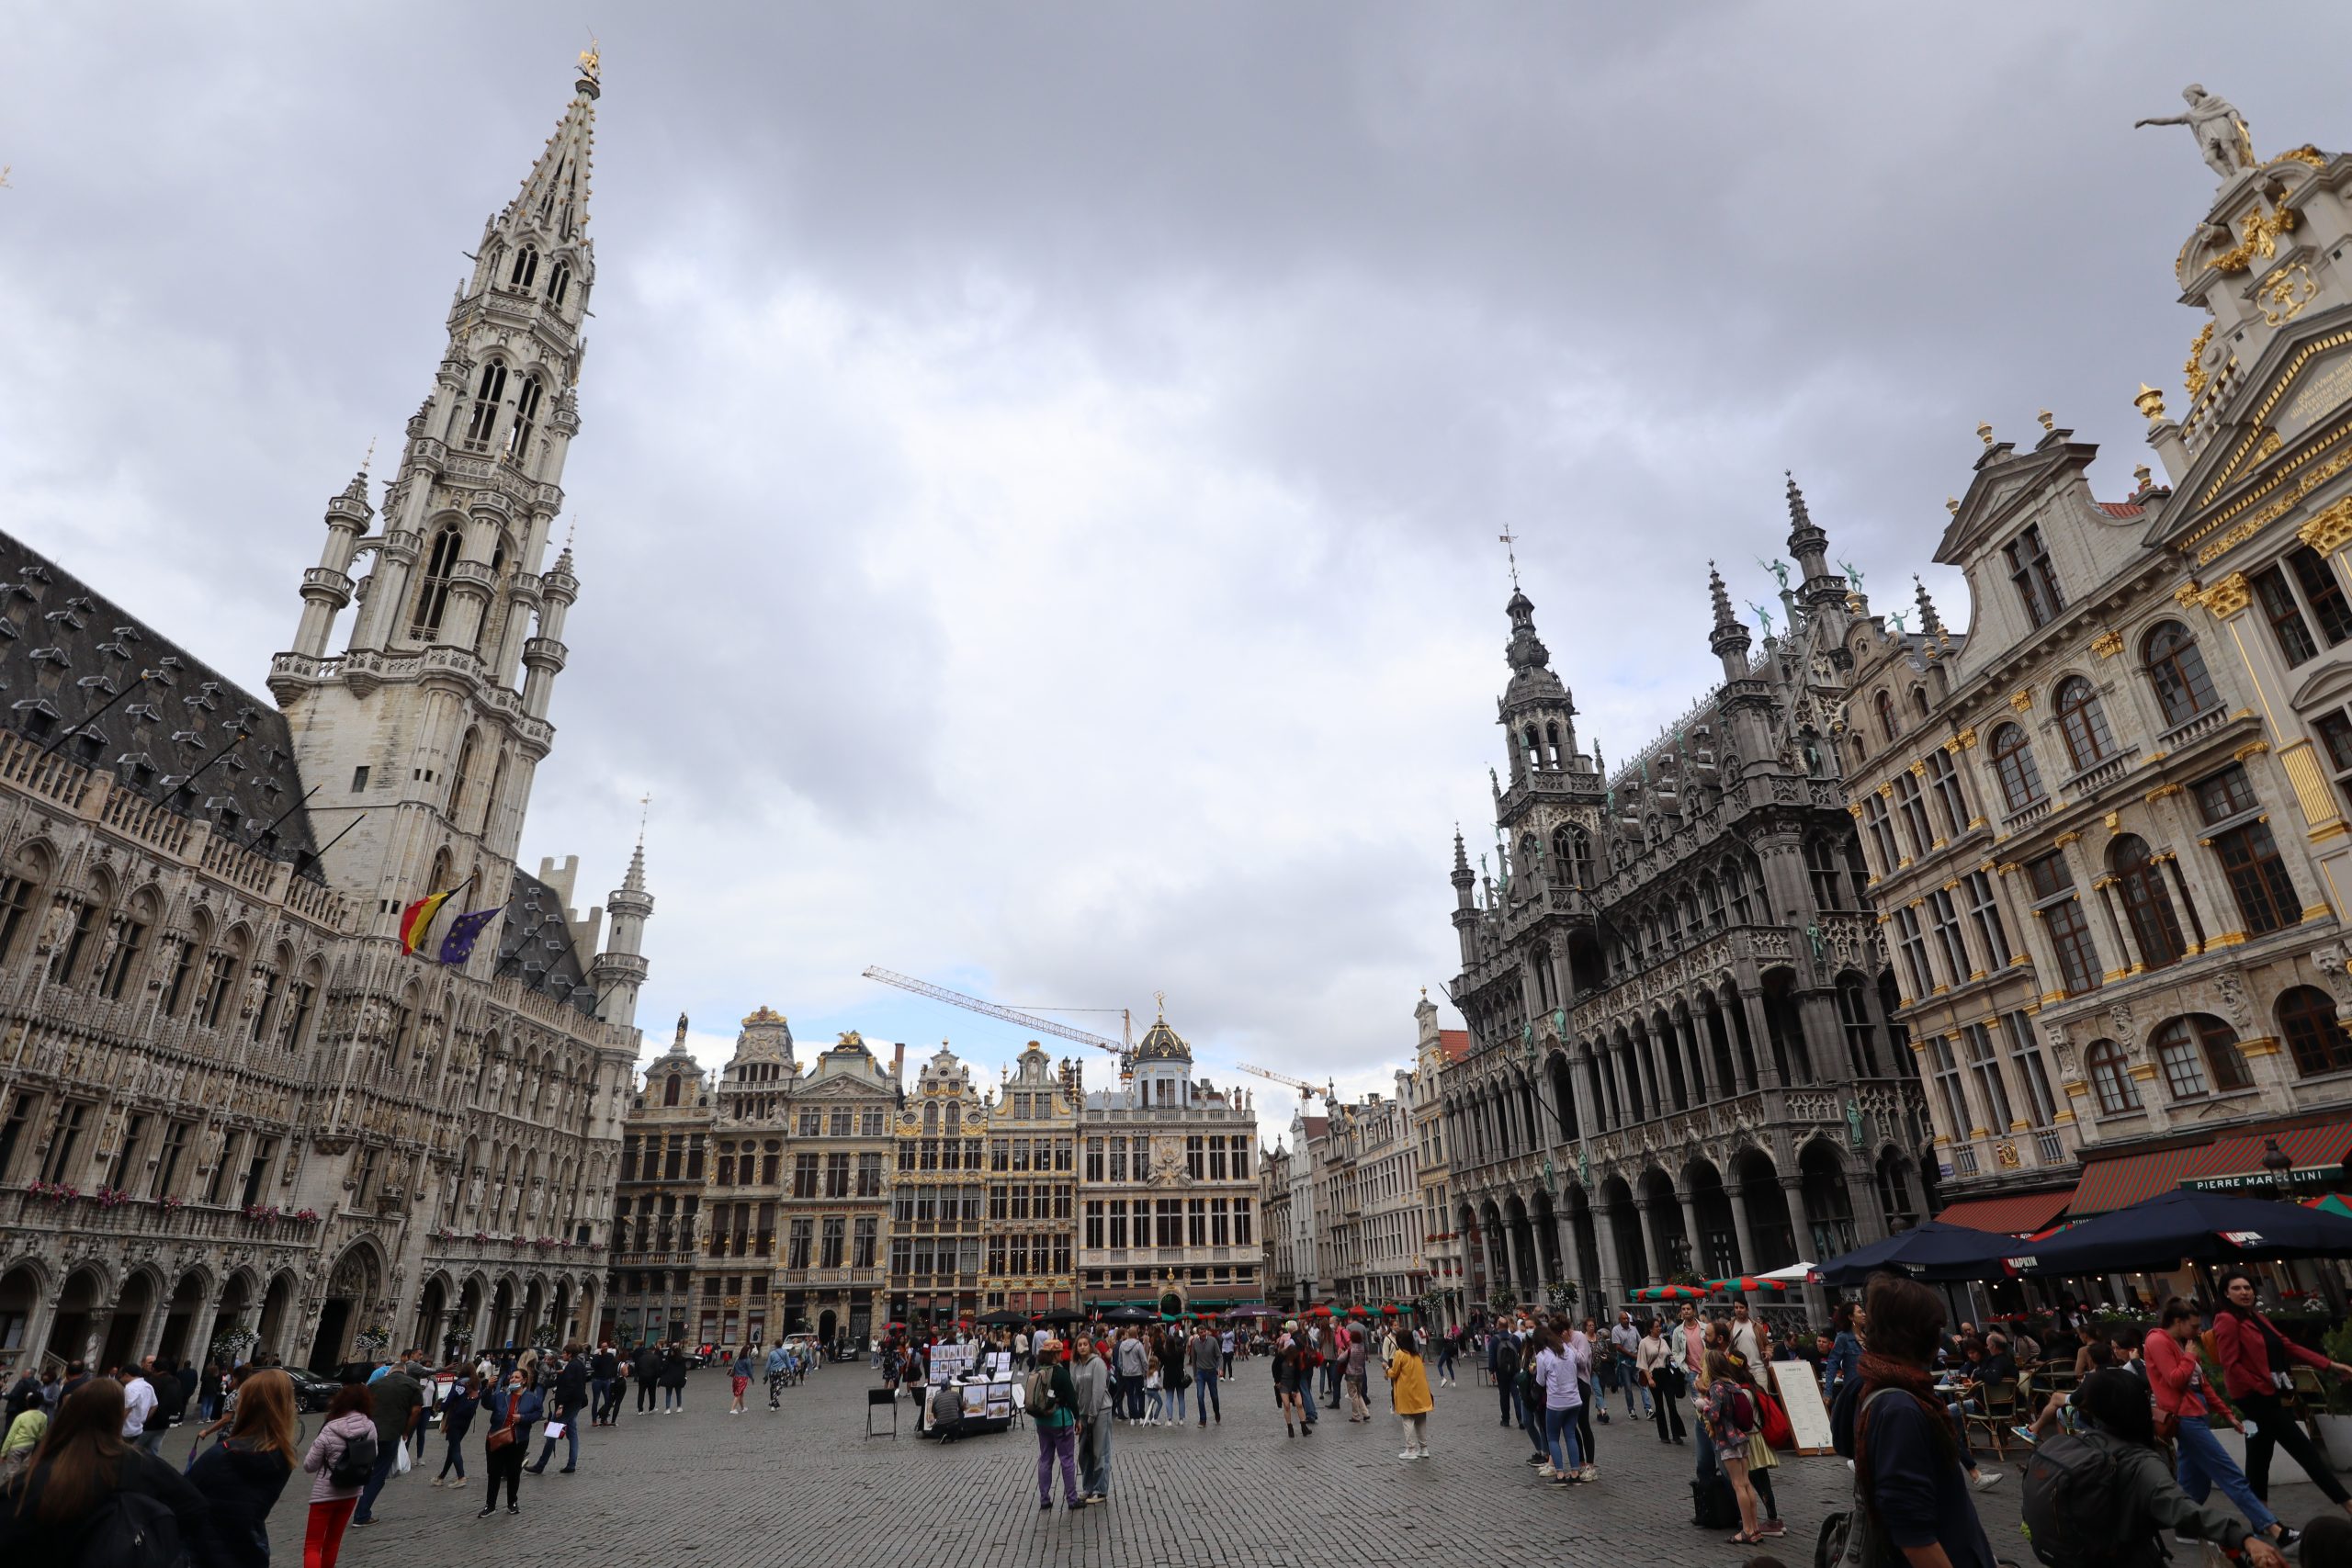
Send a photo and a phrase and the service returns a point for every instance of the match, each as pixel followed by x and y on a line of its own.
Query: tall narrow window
pixel 2138 879
pixel 1881 824
pixel 2249 856
pixel 1943 782
pixel 2176 670
pixel 2083 723
pixel 432 592
pixel 129 944
pixel 1913 809
pixel 558 282
pixel 2026 1056
pixel 526 268
pixel 2037 584
pixel 1985 913
pixel 488 393
pixel 1945 1070
pixel 1913 945
pixel 1984 1065
pixel 1889 726
pixel 1945 921
pixel 18 890
pixel 526 416
pixel 65 969
pixel 2110 1072
pixel 2062 918
pixel 1821 867
pixel 2013 763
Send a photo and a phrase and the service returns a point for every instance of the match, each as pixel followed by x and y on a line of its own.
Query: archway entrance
pixel 276 1306
pixel 129 1322
pixel 187 1300
pixel 826 1324
pixel 350 1288
pixel 77 1306
pixel 502 1316
pixel 429 1308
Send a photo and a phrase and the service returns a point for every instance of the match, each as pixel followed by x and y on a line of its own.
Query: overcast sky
pixel 1041 465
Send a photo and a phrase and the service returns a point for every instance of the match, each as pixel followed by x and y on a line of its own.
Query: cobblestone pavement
pixel 801 1486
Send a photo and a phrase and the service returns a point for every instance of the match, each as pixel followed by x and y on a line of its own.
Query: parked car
pixel 311 1392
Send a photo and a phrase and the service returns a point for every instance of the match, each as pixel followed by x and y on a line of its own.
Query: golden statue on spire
pixel 591 60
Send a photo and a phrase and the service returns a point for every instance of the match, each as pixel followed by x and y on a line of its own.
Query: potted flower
pixel 1562 1294
pixel 167 1203
pixel 304 1217
pixel 369 1340
pixel 111 1198
pixel 1501 1299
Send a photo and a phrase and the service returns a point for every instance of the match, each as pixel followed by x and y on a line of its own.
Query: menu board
pixel 1801 1397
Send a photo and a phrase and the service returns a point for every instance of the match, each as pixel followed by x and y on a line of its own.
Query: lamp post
pixel 2282 1166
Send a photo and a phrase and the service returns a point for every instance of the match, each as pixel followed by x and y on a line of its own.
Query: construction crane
pixel 1329 1092
pixel 1123 1047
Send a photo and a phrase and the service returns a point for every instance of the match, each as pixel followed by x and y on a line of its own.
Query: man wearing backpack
pixel 2103 1498
pixel 1052 1401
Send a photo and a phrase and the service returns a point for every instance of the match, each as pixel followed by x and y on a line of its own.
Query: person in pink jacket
pixel 2257 1364
pixel 350 1418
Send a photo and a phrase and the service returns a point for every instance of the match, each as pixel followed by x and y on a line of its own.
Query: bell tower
pixel 423 734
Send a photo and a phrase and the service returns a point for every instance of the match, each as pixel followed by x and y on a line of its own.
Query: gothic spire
pixel 1806 542
pixel 554 193
pixel 1729 639
pixel 1929 621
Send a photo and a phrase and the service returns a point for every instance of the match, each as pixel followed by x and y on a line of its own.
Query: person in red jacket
pixel 2257 1364
pixel 2177 1379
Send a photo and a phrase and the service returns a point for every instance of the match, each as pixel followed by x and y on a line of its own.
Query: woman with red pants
pixel 351 1417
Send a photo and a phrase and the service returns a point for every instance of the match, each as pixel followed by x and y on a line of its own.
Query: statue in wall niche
pixel 2223 139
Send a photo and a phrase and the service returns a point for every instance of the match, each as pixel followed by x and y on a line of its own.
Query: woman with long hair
pixel 350 1418
pixel 1891 1423
pixel 1555 1376
pixel 1732 1417
pixel 81 1466
pixel 242 1476
pixel 1760 1462
pixel 2257 1366
pixel 1291 1370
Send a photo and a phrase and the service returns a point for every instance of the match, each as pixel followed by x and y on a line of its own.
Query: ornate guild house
pixel 235 1110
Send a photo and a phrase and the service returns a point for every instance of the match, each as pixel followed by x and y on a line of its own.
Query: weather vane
pixel 1510 553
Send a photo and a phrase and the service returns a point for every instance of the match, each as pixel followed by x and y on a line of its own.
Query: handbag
pixel 1760 1453
pixel 503 1435
pixel 1772 1424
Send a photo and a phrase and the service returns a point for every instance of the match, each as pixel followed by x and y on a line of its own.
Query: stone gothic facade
pixel 1681 1059
pixel 235 1109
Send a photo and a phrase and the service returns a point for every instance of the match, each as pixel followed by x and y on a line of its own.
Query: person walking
pixel 1207 1356
pixel 1094 1412
pixel 1291 1372
pixel 646 1367
pixel 243 1477
pixel 138 1405
pixel 2177 1378
pixel 1355 1373
pixel 1175 1374
pixel 1152 1380
pixel 1408 1394
pixel 456 1416
pixel 1225 1350
pixel 1448 1344
pixel 1131 1359
pixel 603 1371
pixel 1910 1491
pixel 674 1380
pixel 1051 1397
pixel 568 1400
pixel 739 1378
pixel 2257 1368
pixel 1502 1365
pixel 1654 1366
pixel 336 1460
pixel 1581 1348
pixel 398 1404
pixel 79 1466
pixel 1625 1341
pixel 1556 1375
pixel 510 1411
pixel 779 1362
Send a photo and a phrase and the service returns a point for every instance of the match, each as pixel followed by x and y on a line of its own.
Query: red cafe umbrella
pixel 1389 1309
pixel 1319 1310
pixel 1356 1310
pixel 1747 1282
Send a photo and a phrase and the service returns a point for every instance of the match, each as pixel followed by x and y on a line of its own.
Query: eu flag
pixel 458 945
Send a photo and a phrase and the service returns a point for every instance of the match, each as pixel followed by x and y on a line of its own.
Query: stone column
pixel 1800 1224
pixel 199 1329
pixel 151 1330
pixel 1605 1234
pixel 1653 1235
pixel 1746 1261
pixel 1690 1229
pixel 1767 1074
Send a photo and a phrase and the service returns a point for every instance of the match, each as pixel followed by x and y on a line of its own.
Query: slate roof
pixel 535 945
pixel 197 744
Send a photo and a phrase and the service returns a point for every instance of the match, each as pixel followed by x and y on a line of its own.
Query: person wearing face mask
pixel 508 1415
pixel 2257 1364
pixel 2186 1404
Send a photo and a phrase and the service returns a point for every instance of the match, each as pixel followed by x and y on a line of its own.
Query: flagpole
pixel 289 811
pixel 128 686
pixel 320 855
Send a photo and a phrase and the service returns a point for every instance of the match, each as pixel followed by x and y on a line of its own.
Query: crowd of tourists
pixel 83 1477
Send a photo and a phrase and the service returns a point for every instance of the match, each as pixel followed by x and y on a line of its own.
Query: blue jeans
pixel 1094 1455
pixel 673 1398
pixel 570 1434
pixel 2205 1464
pixel 1208 1399
pixel 1560 1438
pixel 454 1460
pixel 387 1455
pixel 1176 1406
pixel 1306 1400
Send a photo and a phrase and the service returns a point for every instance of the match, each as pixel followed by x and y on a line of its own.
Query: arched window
pixel 2110 1072
pixel 527 415
pixel 20 895
pixel 2196 1051
pixel 1854 1014
pixel 527 267
pixel 2307 1017
pixel 2013 762
pixel 931 1121
pixel 2083 723
pixel 558 282
pixel 1563 854
pixel 490 800
pixel 1711 898
pixel 487 395
pixel 2178 671
pixel 1735 894
pixel 433 592
pixel 954 1126
pixel 2153 925
pixel 1888 726
pixel 670 1090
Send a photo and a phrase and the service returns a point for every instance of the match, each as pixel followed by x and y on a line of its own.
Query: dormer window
pixel 2029 569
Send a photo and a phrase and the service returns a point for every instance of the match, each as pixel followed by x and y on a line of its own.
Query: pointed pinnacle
pixel 1929 621
pixel 1798 516
pixel 1722 596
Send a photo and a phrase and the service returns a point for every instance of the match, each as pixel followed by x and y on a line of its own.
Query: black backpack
pixel 358 1461
pixel 2073 1503
pixel 131 1529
